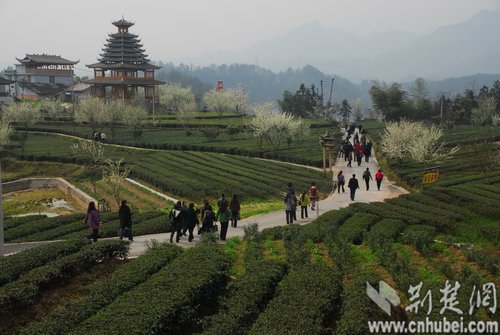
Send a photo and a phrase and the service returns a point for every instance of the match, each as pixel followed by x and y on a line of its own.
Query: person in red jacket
pixel 378 178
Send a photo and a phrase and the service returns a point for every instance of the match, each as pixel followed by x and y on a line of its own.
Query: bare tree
pixel 91 153
pixel 114 174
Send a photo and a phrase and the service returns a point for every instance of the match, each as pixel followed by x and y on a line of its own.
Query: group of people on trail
pixel 353 184
pixel 361 147
pixel 307 198
pixel 182 219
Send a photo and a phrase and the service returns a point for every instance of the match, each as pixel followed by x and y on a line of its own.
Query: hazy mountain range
pixel 462 49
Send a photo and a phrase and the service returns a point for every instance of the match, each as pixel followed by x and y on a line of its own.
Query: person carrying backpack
pixel 234 206
pixel 304 203
pixel 366 177
pixel 313 193
pixel 340 182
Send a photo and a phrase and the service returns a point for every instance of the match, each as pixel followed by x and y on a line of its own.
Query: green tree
pixel 391 101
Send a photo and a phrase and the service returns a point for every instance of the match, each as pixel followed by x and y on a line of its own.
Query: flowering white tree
pixel 52 107
pixel 134 118
pixel 275 127
pixel 484 114
pixel 91 111
pixel 25 114
pixel 113 115
pixel 426 146
pixel 219 102
pixel 398 136
pixel 406 139
pixel 240 99
pixel 174 96
pixel 5 132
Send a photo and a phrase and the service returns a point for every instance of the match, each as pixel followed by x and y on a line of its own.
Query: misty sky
pixel 176 30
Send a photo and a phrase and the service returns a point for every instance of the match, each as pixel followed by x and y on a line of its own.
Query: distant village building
pixel 77 92
pixel 6 91
pixel 41 76
pixel 123 68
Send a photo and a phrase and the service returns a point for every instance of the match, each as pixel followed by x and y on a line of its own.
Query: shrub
pixel 168 301
pixel 384 232
pixel 356 226
pixel 15 265
pixel 25 289
pixel 420 236
pixel 304 302
pixel 249 296
pixel 102 292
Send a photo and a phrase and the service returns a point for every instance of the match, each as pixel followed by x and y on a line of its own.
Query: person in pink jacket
pixel 93 220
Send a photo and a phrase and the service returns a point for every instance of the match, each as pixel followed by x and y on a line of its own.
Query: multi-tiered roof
pixel 123 62
pixel 123 50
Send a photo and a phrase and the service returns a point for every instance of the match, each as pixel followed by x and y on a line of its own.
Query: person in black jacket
pixel 125 221
pixel 353 186
pixel 191 219
pixel 176 221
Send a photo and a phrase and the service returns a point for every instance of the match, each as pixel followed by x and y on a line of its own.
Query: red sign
pixel 220 86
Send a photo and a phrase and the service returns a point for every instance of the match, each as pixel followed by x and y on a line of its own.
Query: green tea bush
pixel 169 301
pixel 419 236
pixel 304 302
pixel 356 226
pixel 15 265
pixel 102 292
pixel 248 296
pixel 26 288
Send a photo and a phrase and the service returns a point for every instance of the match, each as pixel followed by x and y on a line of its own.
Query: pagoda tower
pixel 124 68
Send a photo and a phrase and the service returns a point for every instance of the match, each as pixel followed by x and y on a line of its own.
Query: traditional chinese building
pixel 41 76
pixel 123 69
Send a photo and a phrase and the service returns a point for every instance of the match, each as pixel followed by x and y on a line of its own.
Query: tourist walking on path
pixel 340 181
pixel 366 177
pixel 221 200
pixel 353 186
pixel 234 206
pixel 93 220
pixel 304 203
pixel 207 218
pixel 378 178
pixel 349 159
pixel 313 195
pixel 290 203
pixel 191 218
pixel 367 151
pixel 223 216
pixel 125 221
pixel 176 221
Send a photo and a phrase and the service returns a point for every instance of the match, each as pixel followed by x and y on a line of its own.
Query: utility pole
pixel 331 93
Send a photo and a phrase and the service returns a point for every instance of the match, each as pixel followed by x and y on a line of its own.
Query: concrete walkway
pixel 334 201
